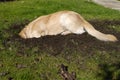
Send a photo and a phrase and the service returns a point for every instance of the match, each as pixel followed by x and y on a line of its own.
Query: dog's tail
pixel 95 33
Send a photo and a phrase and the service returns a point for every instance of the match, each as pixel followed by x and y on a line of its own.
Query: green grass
pixel 42 65
pixel 19 11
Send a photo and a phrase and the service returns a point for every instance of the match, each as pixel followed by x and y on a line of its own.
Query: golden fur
pixel 62 22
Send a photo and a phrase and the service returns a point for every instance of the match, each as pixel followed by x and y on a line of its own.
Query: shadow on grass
pixel 109 71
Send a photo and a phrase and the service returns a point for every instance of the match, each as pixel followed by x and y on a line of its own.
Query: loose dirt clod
pixel 65 73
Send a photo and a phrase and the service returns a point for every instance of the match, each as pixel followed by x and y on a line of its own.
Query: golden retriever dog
pixel 62 22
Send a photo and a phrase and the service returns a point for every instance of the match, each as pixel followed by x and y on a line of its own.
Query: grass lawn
pixel 39 59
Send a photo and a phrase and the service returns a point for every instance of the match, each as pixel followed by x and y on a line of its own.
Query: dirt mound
pixel 55 45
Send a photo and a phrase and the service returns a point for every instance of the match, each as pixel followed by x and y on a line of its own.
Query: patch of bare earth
pixel 55 45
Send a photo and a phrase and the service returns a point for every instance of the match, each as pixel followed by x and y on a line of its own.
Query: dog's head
pixel 23 34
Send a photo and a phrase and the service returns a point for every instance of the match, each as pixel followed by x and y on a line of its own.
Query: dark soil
pixel 55 45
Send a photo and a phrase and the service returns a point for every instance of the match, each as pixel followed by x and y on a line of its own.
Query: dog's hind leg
pixel 65 32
